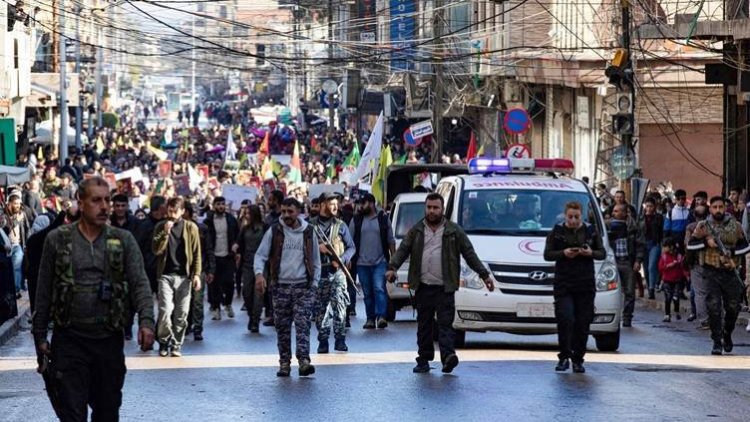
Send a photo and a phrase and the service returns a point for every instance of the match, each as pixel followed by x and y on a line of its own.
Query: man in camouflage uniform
pixel 721 281
pixel 89 276
pixel 333 296
pixel 291 249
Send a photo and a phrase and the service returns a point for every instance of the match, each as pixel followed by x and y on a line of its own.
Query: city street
pixel 662 372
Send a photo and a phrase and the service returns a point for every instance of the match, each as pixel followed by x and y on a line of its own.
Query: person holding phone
pixel 573 246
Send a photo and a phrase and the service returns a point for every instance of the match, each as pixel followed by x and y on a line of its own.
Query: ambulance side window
pixel 450 202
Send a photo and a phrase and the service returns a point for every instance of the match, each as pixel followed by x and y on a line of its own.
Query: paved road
pixel 662 372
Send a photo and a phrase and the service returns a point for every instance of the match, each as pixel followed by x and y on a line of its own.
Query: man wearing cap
pixel 375 244
pixel 333 297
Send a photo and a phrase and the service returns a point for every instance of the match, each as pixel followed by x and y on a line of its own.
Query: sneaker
pixel 370 324
pixel 382 323
pixel 216 314
pixel 627 323
pixel 340 345
pixel 421 368
pixel 651 294
pixel 244 307
pixel 323 347
pixel 198 336
pixel 177 352
pixel 704 325
pixel 268 322
pixel 666 318
pixel 728 344
pixel 678 316
pixel 229 310
pixel 285 369
pixel 305 368
pixel 691 318
pixel 716 350
pixel 163 350
pixel 451 361
pixel 562 365
pixel 748 327
pixel 353 312
pixel 254 328
pixel 578 368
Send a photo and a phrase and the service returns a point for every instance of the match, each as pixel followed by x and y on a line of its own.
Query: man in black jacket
pixel 121 217
pixel 222 231
pixel 146 236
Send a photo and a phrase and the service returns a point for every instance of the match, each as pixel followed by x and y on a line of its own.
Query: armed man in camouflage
pixel 333 295
pixel 90 274
pixel 721 238
pixel 291 248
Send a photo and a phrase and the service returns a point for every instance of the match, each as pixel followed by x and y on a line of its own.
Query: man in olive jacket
pixel 435 246
pixel 177 247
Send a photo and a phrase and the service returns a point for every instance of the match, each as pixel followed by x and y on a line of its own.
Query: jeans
pixel 651 264
pixel 574 312
pixel 372 278
pixel 625 268
pixel 697 292
pixel 174 305
pixel 672 296
pixel 16 258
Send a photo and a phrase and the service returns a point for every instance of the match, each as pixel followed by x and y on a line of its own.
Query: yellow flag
pixel 40 154
pixel 99 145
pixel 378 184
pixel 120 142
pixel 161 155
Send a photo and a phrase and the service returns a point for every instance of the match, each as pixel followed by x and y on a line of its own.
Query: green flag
pixel 352 160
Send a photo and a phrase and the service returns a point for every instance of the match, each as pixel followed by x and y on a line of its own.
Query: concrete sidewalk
pixel 11 327
pixel 658 304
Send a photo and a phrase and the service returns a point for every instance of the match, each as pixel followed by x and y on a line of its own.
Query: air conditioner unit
pixel 512 92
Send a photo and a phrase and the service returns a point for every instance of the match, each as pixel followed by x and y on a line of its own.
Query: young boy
pixel 672 276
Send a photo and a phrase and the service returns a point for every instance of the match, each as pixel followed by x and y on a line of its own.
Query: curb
pixel 742 320
pixel 11 327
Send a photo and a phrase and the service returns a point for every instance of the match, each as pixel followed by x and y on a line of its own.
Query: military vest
pixel 277 249
pixel 727 232
pixel 333 234
pixel 64 286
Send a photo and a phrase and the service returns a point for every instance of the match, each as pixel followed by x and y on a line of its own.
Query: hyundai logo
pixel 538 275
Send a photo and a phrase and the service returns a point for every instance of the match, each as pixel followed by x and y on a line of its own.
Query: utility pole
pixel 439 82
pixel 330 66
pixel 79 110
pixel 63 154
pixel 627 138
pixel 99 88
pixel 192 77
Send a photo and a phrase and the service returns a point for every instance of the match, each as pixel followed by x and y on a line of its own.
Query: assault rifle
pixel 725 252
pixel 337 259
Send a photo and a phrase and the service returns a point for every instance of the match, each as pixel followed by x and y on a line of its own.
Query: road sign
pixel 330 87
pixel 518 151
pixel 421 129
pixel 517 121
pixel 622 162
pixel 410 140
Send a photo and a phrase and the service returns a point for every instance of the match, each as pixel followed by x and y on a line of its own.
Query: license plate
pixel 535 310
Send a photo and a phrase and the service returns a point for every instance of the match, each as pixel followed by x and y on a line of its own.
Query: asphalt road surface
pixel 662 372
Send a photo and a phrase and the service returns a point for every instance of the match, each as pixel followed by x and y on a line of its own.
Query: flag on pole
pixel 263 151
pixel 100 146
pixel 378 184
pixel 231 149
pixel 161 155
pixel 314 145
pixel 295 167
pixel 195 177
pixel 352 160
pixel 266 170
pixel 40 154
pixel 331 171
pixel 369 161
pixel 472 151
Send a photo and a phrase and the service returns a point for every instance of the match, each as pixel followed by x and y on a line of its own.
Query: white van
pixel 408 210
pixel 508 207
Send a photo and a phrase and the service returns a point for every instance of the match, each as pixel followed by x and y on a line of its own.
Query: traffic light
pixel 623 121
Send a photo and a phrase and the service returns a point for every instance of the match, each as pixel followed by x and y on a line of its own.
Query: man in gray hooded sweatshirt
pixel 291 249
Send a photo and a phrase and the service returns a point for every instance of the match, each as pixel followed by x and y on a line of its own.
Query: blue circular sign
pixel 517 121
pixel 409 139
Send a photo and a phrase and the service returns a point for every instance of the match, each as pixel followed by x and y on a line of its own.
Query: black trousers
pixel 723 292
pixel 88 372
pixel 430 301
pixel 222 287
pixel 574 312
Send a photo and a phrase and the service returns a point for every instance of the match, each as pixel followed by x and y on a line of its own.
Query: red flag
pixel 263 151
pixel 472 152
pixel 314 145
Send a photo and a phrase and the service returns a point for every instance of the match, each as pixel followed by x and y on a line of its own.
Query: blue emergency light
pixel 520 165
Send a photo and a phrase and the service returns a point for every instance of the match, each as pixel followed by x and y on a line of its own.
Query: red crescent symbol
pixel 527 247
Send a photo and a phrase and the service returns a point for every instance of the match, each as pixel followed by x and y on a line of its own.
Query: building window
pixel 15 54
pixel 223 12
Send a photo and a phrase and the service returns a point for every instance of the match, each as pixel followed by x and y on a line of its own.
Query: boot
pixel 285 369
pixel 230 311
pixel 340 345
pixel 651 294
pixel 451 361
pixel 578 368
pixel 716 350
pixel 323 347
pixel 728 344
pixel 639 287
pixel 562 365
pixel 305 368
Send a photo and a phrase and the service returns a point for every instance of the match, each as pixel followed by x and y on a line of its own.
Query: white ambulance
pixel 508 207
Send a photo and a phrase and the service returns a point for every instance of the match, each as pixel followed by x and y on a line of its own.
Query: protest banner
pixel 235 194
